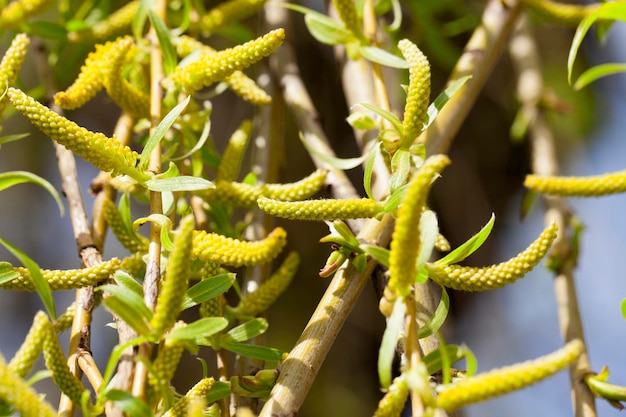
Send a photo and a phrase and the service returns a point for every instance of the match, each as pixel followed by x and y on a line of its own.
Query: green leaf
pixel 256 352
pixel 434 361
pixel 46 30
pixel 438 318
pixel 129 307
pixel 361 120
pixel 124 279
pixel 12 138
pixel 369 169
pixel 394 200
pixel 114 358
pixel 528 202
pixel 429 230
pixel 164 222
pixel 218 391
pixel 608 11
pixel 380 254
pixel 382 57
pixel 182 183
pixel 390 341
pixel 390 117
pixel 623 307
pixel 8 179
pixel 207 289
pixel 327 30
pixel 596 72
pixel 339 163
pixel 41 285
pixel 199 329
pixel 201 141
pixel 127 402
pixel 140 18
pixel 160 132
pixel 436 106
pixel 163 35
pixel 468 247
pixel 245 331
pixel 7 272
pixel 401 168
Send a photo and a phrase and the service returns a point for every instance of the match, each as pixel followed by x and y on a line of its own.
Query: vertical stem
pixel 153 264
pixel 545 163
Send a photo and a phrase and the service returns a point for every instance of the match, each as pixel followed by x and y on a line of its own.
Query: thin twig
pixel 478 59
pixel 545 163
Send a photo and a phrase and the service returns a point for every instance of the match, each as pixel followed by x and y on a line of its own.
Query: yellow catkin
pixel 19 11
pixel 346 9
pixel 405 241
pixel 501 381
pixel 64 279
pixel 264 296
pixel 212 308
pixel 238 82
pixel 234 152
pixel 228 12
pixel 560 13
pixel 234 252
pixel 418 93
pixel 496 276
pixel 128 238
pixel 116 23
pixel 393 402
pixel 90 79
pixel 105 153
pixel 236 194
pixel 201 389
pixel 164 366
pixel 11 64
pixel 124 94
pixel 64 321
pixel 211 68
pixel 177 272
pixel 31 348
pixel 330 210
pixel 15 391
pixel 592 186
pixel 441 243
pixel 134 264
pixel 56 362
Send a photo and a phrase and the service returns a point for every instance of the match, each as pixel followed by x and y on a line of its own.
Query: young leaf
pixel 8 179
pixel 390 117
pixel 245 331
pixel 436 106
pixel 623 307
pixel 429 230
pixel 468 247
pixel 169 53
pixel 12 138
pixel 394 200
pixel 7 272
pixel 369 169
pixel 164 222
pixel 207 289
pixel 596 72
pixel 256 352
pixel 401 168
pixel 123 279
pixel 390 341
pixel 182 183
pixel 199 329
pixel 327 30
pixel 41 285
pixel 339 163
pixel 434 361
pixel 116 353
pixel 128 306
pixel 439 316
pixel 380 254
pixel 382 57
pixel 127 402
pixel 218 391
pixel 160 132
pixel 140 18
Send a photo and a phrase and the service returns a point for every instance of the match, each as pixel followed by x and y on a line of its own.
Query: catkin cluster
pixel 592 186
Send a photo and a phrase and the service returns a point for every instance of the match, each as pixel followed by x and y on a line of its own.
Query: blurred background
pixel 504 326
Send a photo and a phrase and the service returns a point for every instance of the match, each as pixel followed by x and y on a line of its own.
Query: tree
pixel 202 280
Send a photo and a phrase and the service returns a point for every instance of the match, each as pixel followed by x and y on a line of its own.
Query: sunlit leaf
pixel 599 71
pixel 182 183
pixel 218 391
pixel 380 254
pixel 327 30
pixel 7 272
pixel 256 352
pixel 429 230
pixel 436 106
pixel 438 317
pixel 163 35
pixel 124 279
pixel 623 307
pixel 201 328
pixel 369 169
pixel 245 331
pixel 400 168
pixel 127 402
pixel 8 179
pixel 468 247
pixel 382 57
pixel 390 341
pixel 12 138
pixel 390 117
pixel 41 285
pixel 160 132
pixel 207 289
pixel 128 306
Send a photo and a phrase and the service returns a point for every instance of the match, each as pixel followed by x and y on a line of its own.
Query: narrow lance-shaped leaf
pixel 8 179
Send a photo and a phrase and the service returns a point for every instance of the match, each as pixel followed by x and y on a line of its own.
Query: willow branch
pixel 545 163
pixel 478 59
